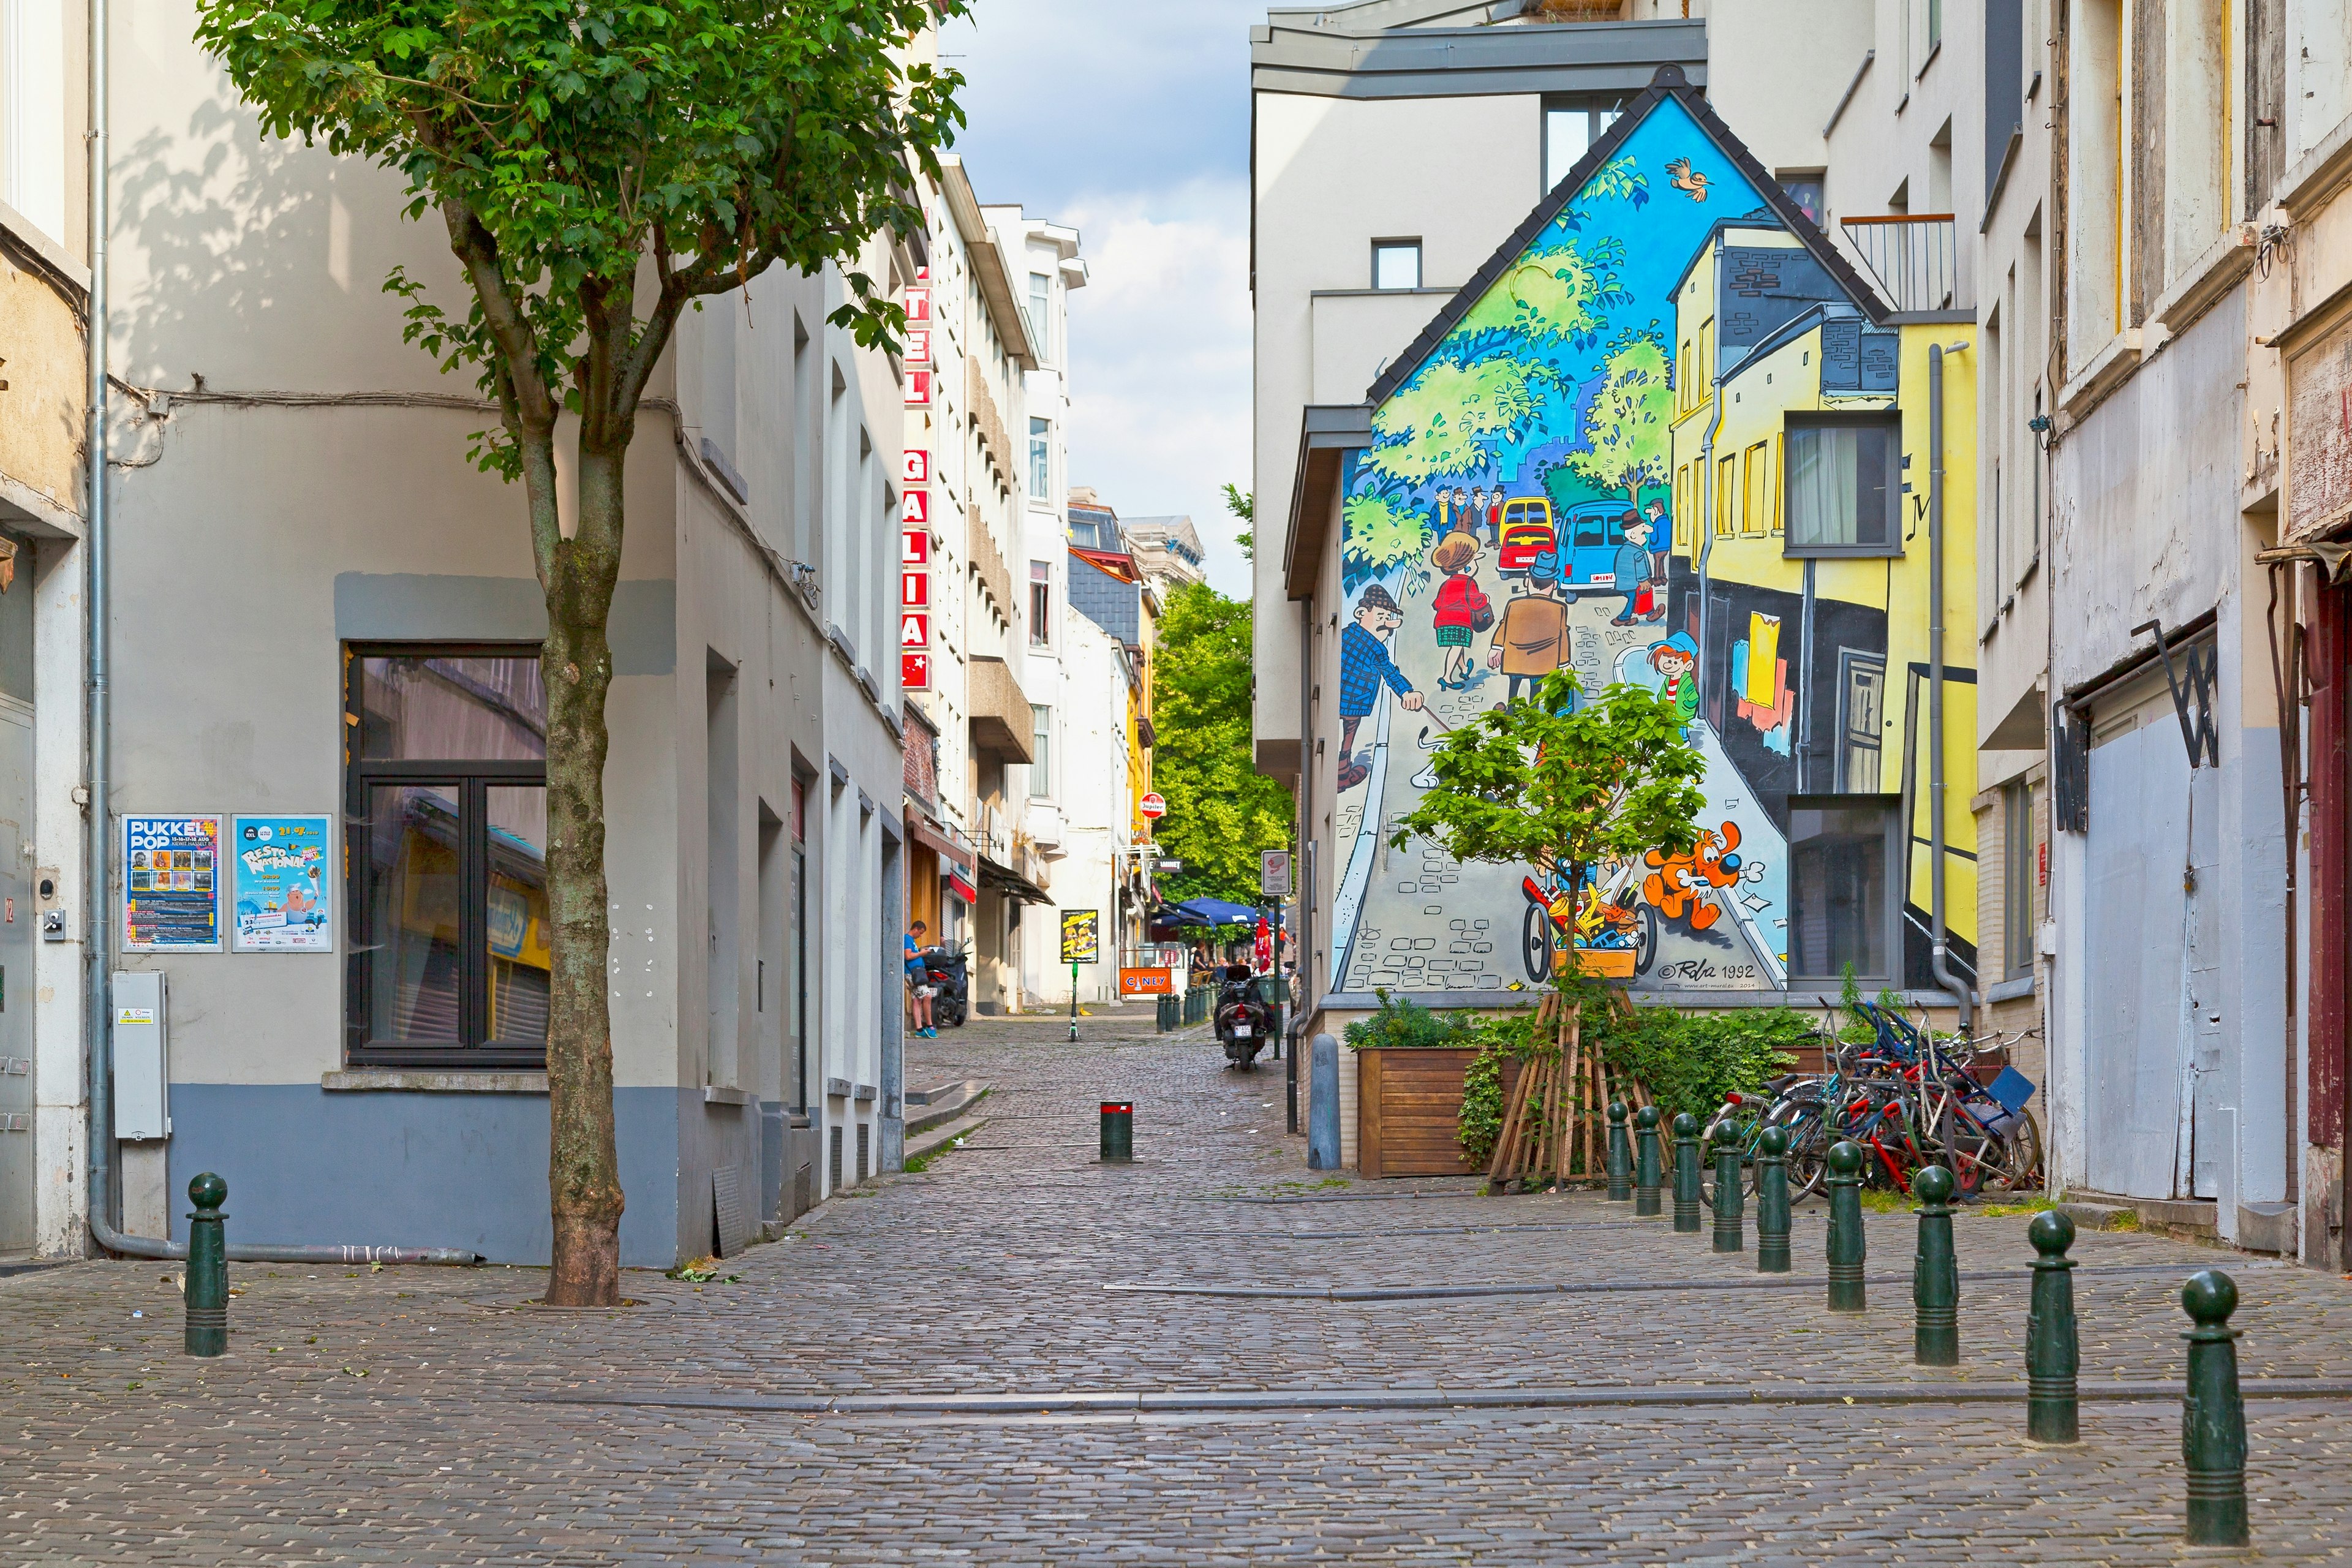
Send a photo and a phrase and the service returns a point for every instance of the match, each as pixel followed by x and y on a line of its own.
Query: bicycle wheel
pixel 1809 1148
pixel 1988 1162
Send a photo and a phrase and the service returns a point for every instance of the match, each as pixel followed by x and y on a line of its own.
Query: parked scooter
pixel 950 972
pixel 1244 1022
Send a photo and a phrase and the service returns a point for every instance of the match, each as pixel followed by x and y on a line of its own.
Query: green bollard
pixel 1687 1188
pixel 205 1299
pixel 1648 1177
pixel 2053 1352
pixel 1730 1234
pixel 1935 1277
pixel 1847 1246
pixel 2213 1416
pixel 1772 1201
pixel 1118 1131
pixel 1621 1156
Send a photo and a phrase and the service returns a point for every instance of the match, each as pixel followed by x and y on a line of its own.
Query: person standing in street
pixel 1459 605
pixel 919 981
pixel 1366 666
pixel 1531 641
pixel 1632 567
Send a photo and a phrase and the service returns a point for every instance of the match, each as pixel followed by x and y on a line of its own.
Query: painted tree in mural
pixel 600 169
pixel 1625 431
pixel 1554 783
pixel 1489 385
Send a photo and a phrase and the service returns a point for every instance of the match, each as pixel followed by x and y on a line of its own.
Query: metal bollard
pixel 1848 1248
pixel 1323 1104
pixel 205 1302
pixel 1118 1131
pixel 2213 1416
pixel 1649 1175
pixel 1621 1156
pixel 1772 1201
pixel 2053 1352
pixel 1730 1233
pixel 1935 1277
pixel 1687 1188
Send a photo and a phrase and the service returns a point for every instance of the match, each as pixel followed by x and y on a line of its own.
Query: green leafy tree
pixel 1553 294
pixel 1450 419
pixel 1220 810
pixel 1381 532
pixel 1533 784
pixel 1244 507
pixel 600 168
pixel 1626 431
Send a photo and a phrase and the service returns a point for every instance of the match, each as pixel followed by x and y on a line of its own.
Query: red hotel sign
pixel 914 570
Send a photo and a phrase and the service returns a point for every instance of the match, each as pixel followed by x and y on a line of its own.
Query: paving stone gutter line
pixel 1653 1397
pixel 1600 1287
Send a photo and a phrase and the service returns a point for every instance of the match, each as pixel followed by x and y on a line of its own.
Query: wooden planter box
pixel 1408 1112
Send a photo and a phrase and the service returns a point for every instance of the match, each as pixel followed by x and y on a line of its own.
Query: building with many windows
pixel 344 680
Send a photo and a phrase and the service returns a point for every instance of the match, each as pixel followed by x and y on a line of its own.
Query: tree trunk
pixel 583 1166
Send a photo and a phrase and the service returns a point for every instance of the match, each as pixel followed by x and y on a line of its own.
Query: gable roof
pixel 1668 82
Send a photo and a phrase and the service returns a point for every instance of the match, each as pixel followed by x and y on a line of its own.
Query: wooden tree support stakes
pixel 1552 1132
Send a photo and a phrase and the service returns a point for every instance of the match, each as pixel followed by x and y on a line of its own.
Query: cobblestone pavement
pixel 428 1417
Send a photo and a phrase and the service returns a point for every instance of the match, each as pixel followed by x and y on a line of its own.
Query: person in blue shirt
pixel 918 979
pixel 1365 666
pixel 1632 566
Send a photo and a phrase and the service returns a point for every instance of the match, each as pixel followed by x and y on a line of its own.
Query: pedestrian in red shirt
pixel 1459 605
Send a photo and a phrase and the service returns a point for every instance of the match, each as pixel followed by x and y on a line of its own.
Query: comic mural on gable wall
pixel 1590 470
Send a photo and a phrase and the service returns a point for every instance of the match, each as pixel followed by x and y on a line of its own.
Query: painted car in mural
pixel 1658 442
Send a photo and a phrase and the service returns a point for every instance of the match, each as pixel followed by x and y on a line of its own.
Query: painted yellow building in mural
pixel 1804 477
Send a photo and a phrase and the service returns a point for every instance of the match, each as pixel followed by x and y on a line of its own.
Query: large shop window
pixel 1844 905
pixel 1844 485
pixel 445 856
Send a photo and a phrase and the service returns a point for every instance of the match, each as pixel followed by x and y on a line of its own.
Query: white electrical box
pixel 142 1057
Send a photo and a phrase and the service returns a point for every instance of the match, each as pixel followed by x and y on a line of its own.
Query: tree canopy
pixel 1221 811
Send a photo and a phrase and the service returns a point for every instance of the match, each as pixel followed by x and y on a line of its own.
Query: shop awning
pixel 1011 883
pixel 923 832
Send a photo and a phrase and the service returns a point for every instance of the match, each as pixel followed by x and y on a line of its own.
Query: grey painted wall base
pixel 305 1166
pixel 1323 1105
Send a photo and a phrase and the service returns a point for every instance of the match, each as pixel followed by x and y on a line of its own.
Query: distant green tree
pixel 1220 810
pixel 1625 431
pixel 1244 507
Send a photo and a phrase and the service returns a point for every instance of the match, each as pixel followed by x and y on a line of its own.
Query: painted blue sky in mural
pixel 1632 228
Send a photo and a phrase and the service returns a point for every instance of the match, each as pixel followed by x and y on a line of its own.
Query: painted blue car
pixel 1589 536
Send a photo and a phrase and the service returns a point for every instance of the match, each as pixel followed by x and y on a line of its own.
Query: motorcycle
pixel 950 969
pixel 1245 1021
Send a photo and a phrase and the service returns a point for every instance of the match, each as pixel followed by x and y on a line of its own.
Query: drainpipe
pixel 97 891
pixel 1938 952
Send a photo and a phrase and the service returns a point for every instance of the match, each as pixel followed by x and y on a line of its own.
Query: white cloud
pixel 1159 350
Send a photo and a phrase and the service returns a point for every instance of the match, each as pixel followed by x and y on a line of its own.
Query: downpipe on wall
pixel 97 889
pixel 1939 949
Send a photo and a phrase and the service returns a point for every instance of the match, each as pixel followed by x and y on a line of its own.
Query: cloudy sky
pixel 1129 121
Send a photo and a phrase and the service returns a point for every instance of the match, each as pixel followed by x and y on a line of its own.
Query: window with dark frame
pixel 2020 872
pixel 1041 605
pixel 1842 484
pixel 1844 905
pixel 1396 264
pixel 1570 127
pixel 445 863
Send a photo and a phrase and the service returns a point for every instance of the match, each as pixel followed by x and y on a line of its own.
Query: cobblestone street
pixel 938 1369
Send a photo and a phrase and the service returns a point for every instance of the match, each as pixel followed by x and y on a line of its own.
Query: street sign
pixel 1153 805
pixel 1081 936
pixel 1169 868
pixel 915 675
pixel 1274 873
pixel 1146 982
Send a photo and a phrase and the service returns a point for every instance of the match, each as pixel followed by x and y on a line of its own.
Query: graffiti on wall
pixel 1591 469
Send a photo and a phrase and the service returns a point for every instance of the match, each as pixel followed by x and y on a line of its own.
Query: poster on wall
pixel 1081 936
pixel 277 884
pixel 171 884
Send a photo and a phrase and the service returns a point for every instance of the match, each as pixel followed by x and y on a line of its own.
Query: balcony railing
pixel 1912 259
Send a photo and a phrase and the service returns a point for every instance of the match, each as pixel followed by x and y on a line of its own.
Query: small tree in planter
pixel 1562 785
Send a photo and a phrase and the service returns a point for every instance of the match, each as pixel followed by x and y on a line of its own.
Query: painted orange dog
pixel 1675 881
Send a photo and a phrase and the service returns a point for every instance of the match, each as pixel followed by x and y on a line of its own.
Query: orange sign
pixel 1145 983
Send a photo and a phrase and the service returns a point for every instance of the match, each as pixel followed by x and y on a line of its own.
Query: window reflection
pixel 518 937
pixel 412 839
